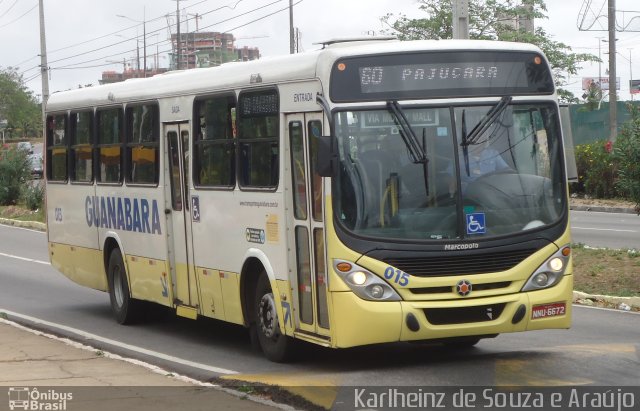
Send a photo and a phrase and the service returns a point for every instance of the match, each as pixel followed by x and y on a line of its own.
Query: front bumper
pixel 360 322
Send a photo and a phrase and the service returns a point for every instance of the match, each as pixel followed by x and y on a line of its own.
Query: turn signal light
pixel 343 267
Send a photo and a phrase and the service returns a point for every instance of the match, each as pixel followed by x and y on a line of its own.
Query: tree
pixel 18 105
pixel 493 20
pixel 627 152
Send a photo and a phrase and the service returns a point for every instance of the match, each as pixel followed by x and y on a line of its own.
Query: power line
pixel 96 38
pixel 9 9
pixel 151 33
pixel 160 42
pixel 21 16
pixel 76 66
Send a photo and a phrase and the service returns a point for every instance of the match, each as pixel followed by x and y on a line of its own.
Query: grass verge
pixel 605 271
pixel 21 213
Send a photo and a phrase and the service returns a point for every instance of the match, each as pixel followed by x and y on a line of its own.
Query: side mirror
pixel 326 159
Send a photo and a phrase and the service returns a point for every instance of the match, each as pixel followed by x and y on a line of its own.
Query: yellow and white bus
pixel 368 192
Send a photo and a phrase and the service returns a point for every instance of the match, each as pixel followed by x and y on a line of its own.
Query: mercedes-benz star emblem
pixel 463 288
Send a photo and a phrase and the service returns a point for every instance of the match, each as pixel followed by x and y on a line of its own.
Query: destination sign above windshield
pixel 440 75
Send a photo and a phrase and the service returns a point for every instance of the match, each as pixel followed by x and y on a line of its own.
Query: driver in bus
pixel 482 159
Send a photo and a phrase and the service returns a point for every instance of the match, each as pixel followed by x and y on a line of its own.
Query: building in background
pixel 207 49
pixel 197 50
pixel 113 76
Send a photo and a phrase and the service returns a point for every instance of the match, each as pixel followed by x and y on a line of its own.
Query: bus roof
pixel 271 70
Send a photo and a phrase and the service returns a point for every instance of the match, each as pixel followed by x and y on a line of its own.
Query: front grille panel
pixel 464 315
pixel 450 289
pixel 456 264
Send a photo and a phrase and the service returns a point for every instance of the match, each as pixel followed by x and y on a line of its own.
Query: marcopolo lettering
pixel 118 213
pixel 467 246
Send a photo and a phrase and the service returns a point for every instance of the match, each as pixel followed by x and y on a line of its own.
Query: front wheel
pixel 276 346
pixel 125 309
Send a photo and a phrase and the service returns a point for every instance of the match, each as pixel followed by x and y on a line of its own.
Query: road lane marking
pixel 126 346
pixel 603 229
pixel 31 260
pixel 537 372
pixel 33 230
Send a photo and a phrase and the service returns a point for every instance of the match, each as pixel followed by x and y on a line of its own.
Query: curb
pixel 622 210
pixel 608 301
pixel 34 225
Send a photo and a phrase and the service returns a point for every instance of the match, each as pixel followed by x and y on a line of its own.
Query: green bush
pixel 15 172
pixel 597 170
pixel 33 196
pixel 627 154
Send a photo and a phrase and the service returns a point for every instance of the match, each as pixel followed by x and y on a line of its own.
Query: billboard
pixel 634 86
pixel 588 82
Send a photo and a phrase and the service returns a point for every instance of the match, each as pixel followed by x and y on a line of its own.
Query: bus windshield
pixel 490 170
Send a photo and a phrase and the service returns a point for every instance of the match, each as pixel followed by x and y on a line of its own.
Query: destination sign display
pixel 440 75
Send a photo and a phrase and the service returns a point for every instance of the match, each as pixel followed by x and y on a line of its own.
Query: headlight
pixel 364 283
pixel 550 272
pixel 357 278
pixel 556 264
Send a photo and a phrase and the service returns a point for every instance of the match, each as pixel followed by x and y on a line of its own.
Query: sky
pixel 86 37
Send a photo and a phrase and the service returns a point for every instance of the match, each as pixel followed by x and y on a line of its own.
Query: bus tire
pixel 276 346
pixel 122 305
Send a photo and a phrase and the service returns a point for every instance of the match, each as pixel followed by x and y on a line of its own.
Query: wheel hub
pixel 117 287
pixel 268 316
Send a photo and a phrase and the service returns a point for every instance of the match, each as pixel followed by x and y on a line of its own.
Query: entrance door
pixel 308 250
pixel 178 215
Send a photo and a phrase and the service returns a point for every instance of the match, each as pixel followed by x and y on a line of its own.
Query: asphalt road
pixel 611 230
pixel 602 347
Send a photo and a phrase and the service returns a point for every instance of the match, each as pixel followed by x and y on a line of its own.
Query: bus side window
pixel 109 145
pixel 143 137
pixel 258 122
pixel 81 146
pixel 214 142
pixel 57 148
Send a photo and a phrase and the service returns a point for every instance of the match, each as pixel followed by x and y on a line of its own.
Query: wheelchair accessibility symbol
pixel 476 223
pixel 195 209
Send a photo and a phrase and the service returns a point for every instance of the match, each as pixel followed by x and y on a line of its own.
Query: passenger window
pixel 81 148
pixel 57 147
pixel 258 139
pixel 214 142
pixel 298 167
pixel 109 145
pixel 143 142
pixel 315 131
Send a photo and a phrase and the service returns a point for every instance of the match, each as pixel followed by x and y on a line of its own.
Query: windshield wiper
pixel 465 144
pixel 416 152
pixel 487 121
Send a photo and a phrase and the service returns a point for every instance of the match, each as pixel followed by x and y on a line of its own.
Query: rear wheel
pixel 276 346
pixel 125 309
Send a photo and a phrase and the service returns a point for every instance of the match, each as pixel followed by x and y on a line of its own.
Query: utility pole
pixel 460 19
pixel 291 30
pixel 630 75
pixel 600 38
pixel 613 104
pixel 144 39
pixel 178 39
pixel 44 67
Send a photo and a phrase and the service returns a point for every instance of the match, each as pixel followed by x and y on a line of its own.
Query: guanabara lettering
pixel 122 213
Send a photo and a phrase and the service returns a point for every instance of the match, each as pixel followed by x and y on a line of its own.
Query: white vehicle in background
pixel 37 164
pixel 25 146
